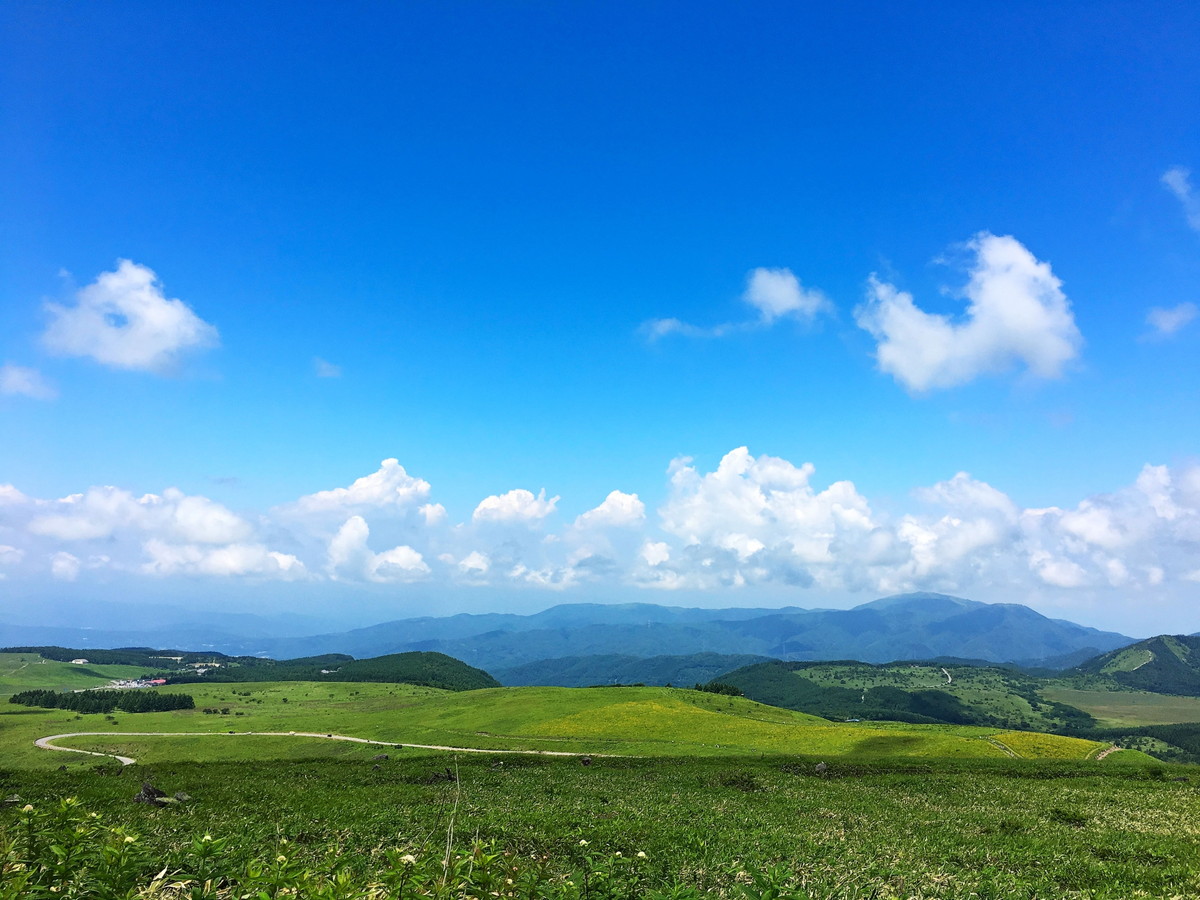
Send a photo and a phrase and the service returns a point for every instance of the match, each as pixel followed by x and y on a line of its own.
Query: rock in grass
pixel 151 795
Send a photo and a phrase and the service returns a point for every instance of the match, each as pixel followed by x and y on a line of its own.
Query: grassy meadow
pixel 28 672
pixel 687 795
pixel 1115 709
pixel 628 721
pixel 460 825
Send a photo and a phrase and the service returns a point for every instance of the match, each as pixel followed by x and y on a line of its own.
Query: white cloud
pixel 388 486
pixel 617 511
pixel 773 294
pixel 103 511
pixel 1063 573
pixel 350 557
pixel 475 563
pixel 655 553
pixel 21 381
pixel 751 504
pixel 1166 322
pixel 64 566
pixel 10 496
pixel 515 506
pixel 753 522
pixel 777 293
pixel 226 561
pixel 432 513
pixel 1016 314
pixel 124 320
pixel 1177 180
pixel 326 369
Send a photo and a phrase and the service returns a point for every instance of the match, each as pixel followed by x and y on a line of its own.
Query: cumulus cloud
pixel 475 563
pixel 124 320
pixel 64 566
pixel 1165 322
pixel 351 558
pixel 1178 180
pixel 749 504
pixel 432 513
pixel 388 486
pixel 326 369
pixel 751 522
pixel 773 294
pixel 777 293
pixel 517 505
pixel 229 560
pixel 1016 315
pixel 617 511
pixel 20 381
pixel 102 511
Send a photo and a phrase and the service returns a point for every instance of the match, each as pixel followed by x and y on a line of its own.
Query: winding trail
pixel 47 743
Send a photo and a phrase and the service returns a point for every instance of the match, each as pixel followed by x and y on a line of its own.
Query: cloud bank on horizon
pixel 753 521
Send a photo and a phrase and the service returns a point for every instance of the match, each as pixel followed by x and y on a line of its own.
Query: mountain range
pixel 905 626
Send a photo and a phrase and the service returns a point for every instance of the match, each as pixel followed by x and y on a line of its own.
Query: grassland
pixel 1115 709
pixel 754 827
pixel 28 671
pixel 617 721
pixel 688 795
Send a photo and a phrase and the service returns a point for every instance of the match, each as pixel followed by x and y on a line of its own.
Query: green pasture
pixel 706 826
pixel 616 721
pixel 1115 709
pixel 28 672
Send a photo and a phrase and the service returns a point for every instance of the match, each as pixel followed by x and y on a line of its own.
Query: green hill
pixel 909 692
pixel 415 667
pixel 1167 664
pixel 30 671
pixel 237 721
pixel 184 667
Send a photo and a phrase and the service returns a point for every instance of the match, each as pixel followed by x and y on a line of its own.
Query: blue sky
pixel 568 247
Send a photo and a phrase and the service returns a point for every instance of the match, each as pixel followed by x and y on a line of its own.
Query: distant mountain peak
pixel 921 600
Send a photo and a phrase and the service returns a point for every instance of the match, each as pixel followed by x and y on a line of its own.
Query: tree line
pixel 105 701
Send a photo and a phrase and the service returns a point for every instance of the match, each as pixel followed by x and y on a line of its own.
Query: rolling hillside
pixel 910 692
pixel 1167 664
pixel 621 721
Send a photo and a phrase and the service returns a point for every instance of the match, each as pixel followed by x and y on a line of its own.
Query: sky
pixel 367 310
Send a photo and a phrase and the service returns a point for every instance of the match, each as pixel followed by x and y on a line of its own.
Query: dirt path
pixel 47 743
pixel 1007 749
pixel 1106 751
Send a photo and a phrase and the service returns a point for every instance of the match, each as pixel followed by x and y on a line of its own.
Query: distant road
pixel 47 743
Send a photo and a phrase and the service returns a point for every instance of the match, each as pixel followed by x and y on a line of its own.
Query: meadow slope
pixel 620 721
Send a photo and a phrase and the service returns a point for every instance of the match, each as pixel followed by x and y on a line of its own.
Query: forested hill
pixel 181 667
pixel 1167 664
pixel 416 667
pixel 930 693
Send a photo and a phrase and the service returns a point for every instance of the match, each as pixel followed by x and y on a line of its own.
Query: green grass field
pixel 618 721
pixel 708 827
pixel 721 796
pixel 1115 709
pixel 28 671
